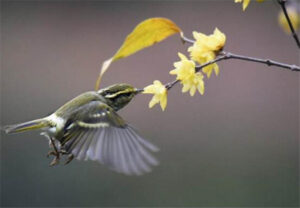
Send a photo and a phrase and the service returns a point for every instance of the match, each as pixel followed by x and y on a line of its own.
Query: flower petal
pixel 201 87
pixel 193 90
pixel 245 4
pixel 217 70
pixel 153 101
pixel 182 56
pixel 163 102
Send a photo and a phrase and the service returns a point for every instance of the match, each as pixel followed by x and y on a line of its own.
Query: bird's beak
pixel 138 90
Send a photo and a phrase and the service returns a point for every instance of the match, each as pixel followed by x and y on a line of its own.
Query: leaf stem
pixel 185 39
pixel 283 7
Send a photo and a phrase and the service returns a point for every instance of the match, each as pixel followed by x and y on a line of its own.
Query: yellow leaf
pixel 145 34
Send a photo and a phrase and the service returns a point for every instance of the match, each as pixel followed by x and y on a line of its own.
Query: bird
pixel 88 127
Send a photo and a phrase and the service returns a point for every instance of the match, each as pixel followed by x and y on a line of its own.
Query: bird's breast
pixel 57 122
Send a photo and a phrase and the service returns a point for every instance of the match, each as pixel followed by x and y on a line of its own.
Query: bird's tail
pixel 27 126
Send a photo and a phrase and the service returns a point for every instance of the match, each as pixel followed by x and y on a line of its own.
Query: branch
pixel 263 61
pixel 283 7
pixel 226 55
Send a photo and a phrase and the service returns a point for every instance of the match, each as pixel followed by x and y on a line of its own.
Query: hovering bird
pixel 89 128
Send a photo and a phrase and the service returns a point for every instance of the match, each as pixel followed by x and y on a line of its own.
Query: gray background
pixel 235 146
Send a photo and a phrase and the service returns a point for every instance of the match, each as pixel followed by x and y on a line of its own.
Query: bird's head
pixel 119 95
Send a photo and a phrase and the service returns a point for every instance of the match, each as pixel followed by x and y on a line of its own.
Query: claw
pixel 56 158
pixel 54 162
pixel 51 152
pixel 63 152
pixel 56 155
pixel 69 159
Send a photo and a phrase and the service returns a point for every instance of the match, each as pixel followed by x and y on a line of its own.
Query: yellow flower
pixel 213 42
pixel 202 56
pixel 194 82
pixel 205 48
pixel 294 17
pixel 210 68
pixel 160 94
pixel 185 71
pixel 246 3
pixel 183 68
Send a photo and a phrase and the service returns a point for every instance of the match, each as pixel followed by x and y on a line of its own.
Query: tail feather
pixel 27 126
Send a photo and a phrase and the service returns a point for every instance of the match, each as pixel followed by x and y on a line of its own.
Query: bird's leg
pixel 57 152
pixel 54 152
pixel 70 156
pixel 51 145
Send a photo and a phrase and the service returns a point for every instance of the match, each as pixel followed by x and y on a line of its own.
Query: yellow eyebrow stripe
pixel 116 94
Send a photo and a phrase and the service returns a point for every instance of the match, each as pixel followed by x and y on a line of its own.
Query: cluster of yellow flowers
pixel 204 49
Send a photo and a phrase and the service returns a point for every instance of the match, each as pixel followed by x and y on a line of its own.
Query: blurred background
pixel 237 145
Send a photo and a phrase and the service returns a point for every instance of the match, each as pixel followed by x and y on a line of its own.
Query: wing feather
pixel 78 146
pixel 144 142
pixel 83 151
pixel 101 135
pixel 121 154
pixel 91 153
pixel 138 158
pixel 147 156
pixel 130 162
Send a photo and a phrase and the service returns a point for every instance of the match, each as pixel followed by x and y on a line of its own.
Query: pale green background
pixel 237 145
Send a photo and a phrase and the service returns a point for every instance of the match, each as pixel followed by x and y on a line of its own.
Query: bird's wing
pixel 102 135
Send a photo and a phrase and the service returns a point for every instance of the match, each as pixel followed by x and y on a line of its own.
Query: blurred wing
pixel 102 135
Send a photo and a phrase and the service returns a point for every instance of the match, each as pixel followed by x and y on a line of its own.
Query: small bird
pixel 88 128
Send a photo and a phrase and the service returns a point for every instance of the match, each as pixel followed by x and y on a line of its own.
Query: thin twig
pixel 186 40
pixel 246 58
pixel 226 55
pixel 283 7
pixel 268 62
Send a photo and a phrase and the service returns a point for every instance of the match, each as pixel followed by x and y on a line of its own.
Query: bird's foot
pixel 57 155
pixel 70 157
pixel 56 158
pixel 51 152
pixel 55 161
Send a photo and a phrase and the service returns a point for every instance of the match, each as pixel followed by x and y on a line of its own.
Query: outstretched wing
pixel 102 135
